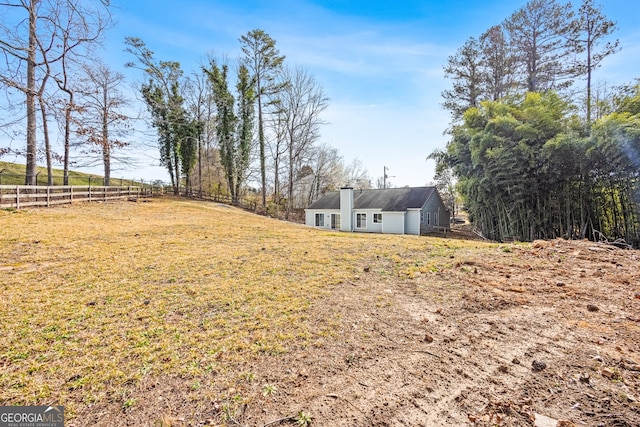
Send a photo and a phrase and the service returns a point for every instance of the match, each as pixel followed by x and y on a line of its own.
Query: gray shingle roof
pixel 388 200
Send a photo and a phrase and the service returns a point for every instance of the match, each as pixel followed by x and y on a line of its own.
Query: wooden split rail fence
pixel 21 196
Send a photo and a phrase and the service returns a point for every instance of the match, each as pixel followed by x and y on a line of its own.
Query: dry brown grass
pixel 97 297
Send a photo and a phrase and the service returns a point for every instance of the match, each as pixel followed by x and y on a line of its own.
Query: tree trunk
pixel 106 147
pixel 276 181
pixel 290 185
pixel 176 167
pixel 30 173
pixel 199 164
pixel 263 167
pixel 47 141
pixel 67 138
pixel 106 161
pixel 589 86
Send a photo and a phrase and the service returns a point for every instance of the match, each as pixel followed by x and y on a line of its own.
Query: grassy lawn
pixel 94 298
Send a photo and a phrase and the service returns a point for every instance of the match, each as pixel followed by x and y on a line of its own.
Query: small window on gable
pixel 377 218
pixel 319 220
pixel 421 216
pixel 361 220
pixel 428 218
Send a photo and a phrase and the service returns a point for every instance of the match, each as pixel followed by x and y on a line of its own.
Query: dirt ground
pixel 546 334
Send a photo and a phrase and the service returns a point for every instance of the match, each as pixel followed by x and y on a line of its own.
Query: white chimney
pixel 346 209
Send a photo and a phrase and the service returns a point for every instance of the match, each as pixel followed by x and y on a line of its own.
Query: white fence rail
pixel 22 196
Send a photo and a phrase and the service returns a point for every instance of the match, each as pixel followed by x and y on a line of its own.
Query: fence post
pixel 17 197
pixel 71 194
pixel 48 196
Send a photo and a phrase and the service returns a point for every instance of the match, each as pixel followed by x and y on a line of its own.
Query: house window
pixel 428 218
pixel 436 219
pixel 377 218
pixel 319 220
pixel 335 221
pixel 421 216
pixel 361 220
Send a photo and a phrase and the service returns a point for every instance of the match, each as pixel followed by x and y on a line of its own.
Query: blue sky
pixel 380 63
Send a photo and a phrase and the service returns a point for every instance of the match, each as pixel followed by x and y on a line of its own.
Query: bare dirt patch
pixel 405 331
pixel 502 337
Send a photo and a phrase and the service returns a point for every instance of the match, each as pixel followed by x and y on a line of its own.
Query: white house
pixel 413 210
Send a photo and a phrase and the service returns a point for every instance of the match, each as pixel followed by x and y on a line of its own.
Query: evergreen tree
pixel 464 70
pixel 264 61
pixel 234 129
pixel 538 33
pixel 164 102
pixel 226 122
pixel 245 109
pixel 189 136
pixel 497 156
pixel 586 34
pixel 497 64
pixel 525 170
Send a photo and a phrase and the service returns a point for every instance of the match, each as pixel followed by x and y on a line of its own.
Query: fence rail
pixel 296 215
pixel 21 196
pixel 221 198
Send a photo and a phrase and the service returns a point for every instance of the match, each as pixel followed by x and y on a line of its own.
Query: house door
pixel 335 221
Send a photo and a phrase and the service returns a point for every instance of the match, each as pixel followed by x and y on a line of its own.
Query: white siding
pixel 310 216
pixel 370 226
pixel 412 222
pixel 393 222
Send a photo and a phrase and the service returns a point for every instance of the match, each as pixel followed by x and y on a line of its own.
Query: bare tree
pixel 35 35
pixel 84 28
pixel 103 122
pixel 444 178
pixel 326 165
pixel 276 123
pixel 356 175
pixel 303 101
pixel 200 105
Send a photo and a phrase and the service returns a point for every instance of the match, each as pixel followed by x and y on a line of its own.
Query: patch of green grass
pixel 303 419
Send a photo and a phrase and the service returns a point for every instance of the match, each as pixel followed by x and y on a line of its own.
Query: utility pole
pixel 385 176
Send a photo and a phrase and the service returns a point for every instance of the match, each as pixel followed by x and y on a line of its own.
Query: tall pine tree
pixel 264 61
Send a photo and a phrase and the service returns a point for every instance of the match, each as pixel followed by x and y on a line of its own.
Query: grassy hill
pixel 13 174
